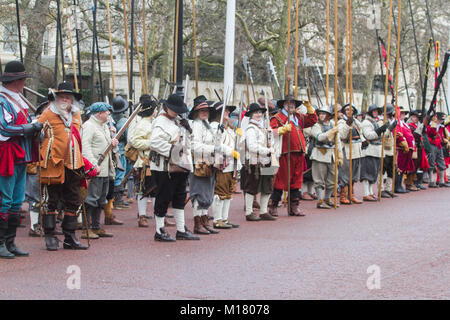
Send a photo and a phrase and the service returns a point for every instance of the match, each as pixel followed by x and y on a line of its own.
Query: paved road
pixel 325 255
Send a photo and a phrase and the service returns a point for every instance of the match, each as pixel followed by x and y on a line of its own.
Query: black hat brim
pixel 191 113
pixel 4 78
pixel 78 96
pixel 280 103
pixel 177 109
pixel 249 113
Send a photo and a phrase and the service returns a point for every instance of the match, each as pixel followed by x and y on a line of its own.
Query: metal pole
pixel 61 44
pixel 131 51
pixel 77 28
pixel 19 33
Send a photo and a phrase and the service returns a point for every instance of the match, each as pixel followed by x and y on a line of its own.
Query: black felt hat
pixel 14 70
pixel 175 103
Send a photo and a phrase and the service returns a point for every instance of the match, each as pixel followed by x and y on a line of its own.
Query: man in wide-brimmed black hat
pixel 17 148
pixel 170 164
pixel 62 157
pixel 288 122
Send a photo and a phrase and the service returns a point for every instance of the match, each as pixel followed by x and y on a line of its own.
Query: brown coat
pixel 59 148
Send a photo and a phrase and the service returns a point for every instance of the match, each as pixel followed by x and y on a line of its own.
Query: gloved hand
pixel 235 154
pixel 349 121
pixel 332 133
pixel 239 132
pixel 393 125
pixel 286 128
pixel 365 144
pixel 30 129
pixel 309 108
pixel 340 159
pixel 221 128
pixel 404 146
pixel 381 129
pixel 434 122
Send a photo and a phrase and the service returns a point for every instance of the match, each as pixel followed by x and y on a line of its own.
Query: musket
pixel 321 79
pixel 217 94
pixel 119 134
pixel 425 82
pixel 236 138
pixel 432 108
pixel 33 108
pixel 267 124
pixel 34 92
pixel 251 79
pixel 306 63
pixel 245 63
pixel 274 75
pixel 269 77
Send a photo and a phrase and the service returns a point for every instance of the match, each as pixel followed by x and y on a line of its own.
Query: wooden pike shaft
pixel 296 50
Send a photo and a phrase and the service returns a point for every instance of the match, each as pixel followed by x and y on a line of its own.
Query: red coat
pixel 298 148
pixel 405 161
pixel 434 136
pixel 298 143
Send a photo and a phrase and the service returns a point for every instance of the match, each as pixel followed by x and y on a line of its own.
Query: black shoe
pixel 267 216
pixel 421 187
pixel 163 236
pixel 186 235
pixel 401 190
pixel 71 242
pixel 393 195
pixel 444 185
pixel 51 242
pixel 385 194
pixel 4 252
pixel 433 185
pixel 11 246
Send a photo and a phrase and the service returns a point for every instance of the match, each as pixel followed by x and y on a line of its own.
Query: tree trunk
pixel 35 21
pixel 368 81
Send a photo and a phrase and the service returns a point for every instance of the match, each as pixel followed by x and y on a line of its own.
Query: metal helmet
pixel 325 109
pixel 372 108
pixel 119 104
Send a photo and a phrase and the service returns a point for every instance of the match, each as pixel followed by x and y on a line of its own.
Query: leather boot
pixel 205 222
pixel 142 223
pixel 118 200
pixel 409 182
pixel 322 204
pixel 10 236
pixel 273 206
pixel 419 181
pixel 48 224
pixel 198 226
pixel 343 196
pixel 4 252
pixel 295 208
pixel 69 225
pixel 398 184
pixel 353 198
pixel 110 218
